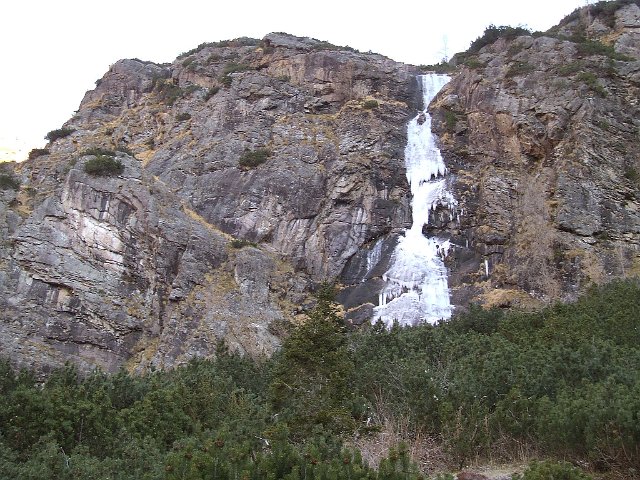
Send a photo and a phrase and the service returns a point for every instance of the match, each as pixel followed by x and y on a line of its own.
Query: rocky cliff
pixel 542 133
pixel 250 171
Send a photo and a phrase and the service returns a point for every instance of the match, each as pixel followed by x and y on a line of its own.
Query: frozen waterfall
pixel 416 287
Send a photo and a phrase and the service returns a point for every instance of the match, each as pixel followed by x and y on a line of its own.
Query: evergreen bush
pixel 253 158
pixel 564 382
pixel 38 152
pixel 103 165
pixel 492 34
pixel 370 104
pixel 54 135
pixel 9 182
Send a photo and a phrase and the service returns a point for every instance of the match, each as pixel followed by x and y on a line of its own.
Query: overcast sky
pixel 54 50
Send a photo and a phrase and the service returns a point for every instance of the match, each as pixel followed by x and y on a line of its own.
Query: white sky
pixel 52 51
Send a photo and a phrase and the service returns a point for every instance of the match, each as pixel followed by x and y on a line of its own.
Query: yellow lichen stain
pixel 590 264
pixel 634 270
pixel 144 351
pixel 24 204
pixel 200 219
pixel 505 297
pixel 145 156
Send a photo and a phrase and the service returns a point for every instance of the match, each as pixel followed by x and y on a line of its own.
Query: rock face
pixel 542 133
pixel 255 170
pixel 196 241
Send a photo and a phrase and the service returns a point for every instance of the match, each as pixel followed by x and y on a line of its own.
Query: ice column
pixel 416 283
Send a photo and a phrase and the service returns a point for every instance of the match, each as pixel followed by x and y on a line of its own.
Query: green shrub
pixel 9 182
pixel 197 49
pixel 210 93
pixel 188 61
pixel 493 33
pixel 564 381
pixel 240 243
pixel 182 117
pixel 591 81
pixel 442 67
pixel 104 166
pixel 470 61
pixel 552 471
pixel 324 45
pixel 190 89
pixel 230 68
pixel 125 149
pixel 604 10
pixel 631 173
pixel 370 104
pixel 253 158
pixel 54 135
pixel 515 48
pixel 450 120
pixel 168 92
pixel 593 47
pixel 38 152
pixel 213 58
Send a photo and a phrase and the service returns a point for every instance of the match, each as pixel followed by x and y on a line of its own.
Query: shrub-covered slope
pixel 563 383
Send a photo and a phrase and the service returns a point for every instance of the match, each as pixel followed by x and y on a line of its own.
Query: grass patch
pixel 253 158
